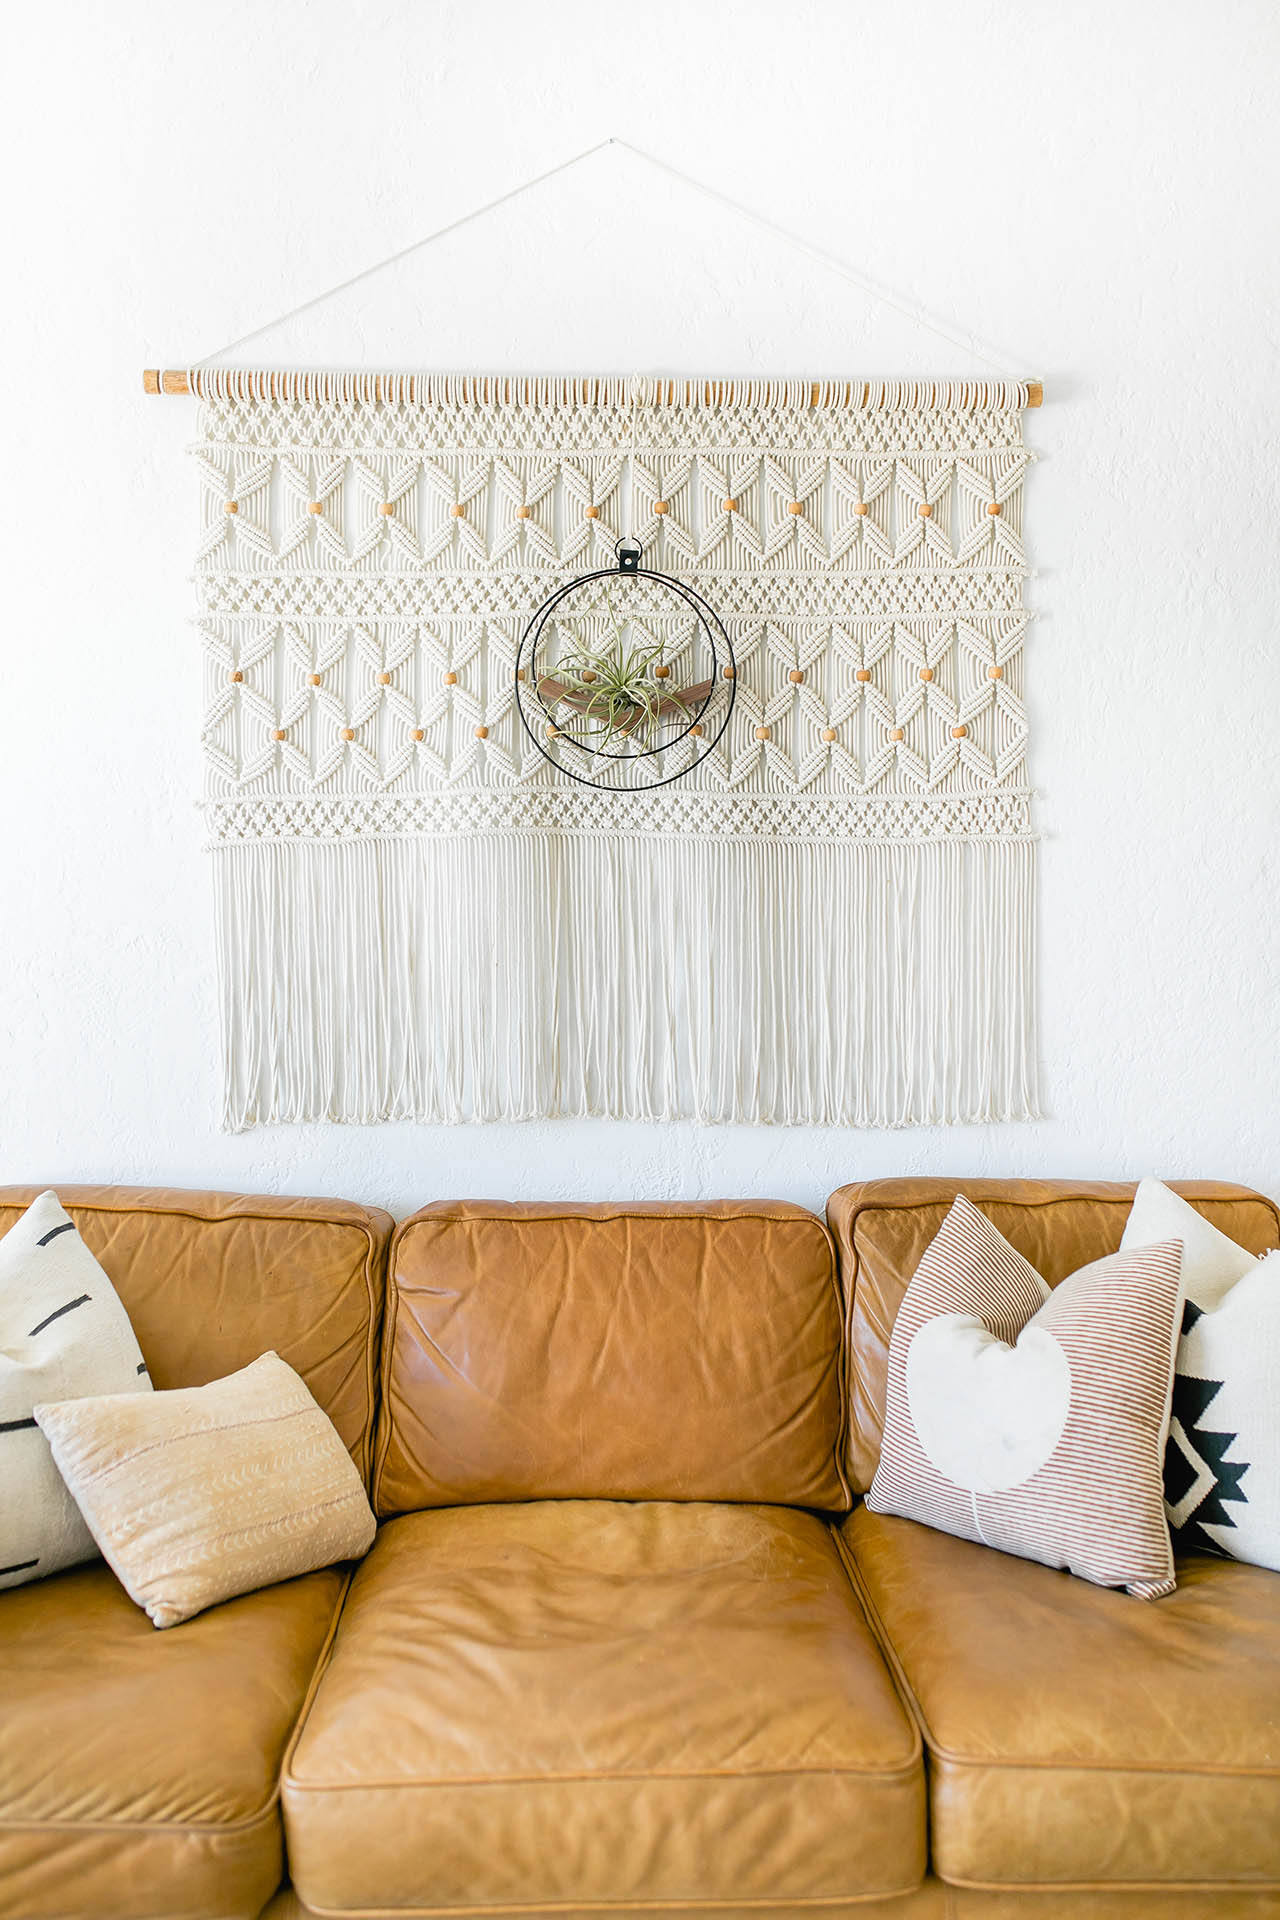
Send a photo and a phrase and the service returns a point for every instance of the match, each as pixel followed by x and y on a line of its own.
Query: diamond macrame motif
pixel 363 602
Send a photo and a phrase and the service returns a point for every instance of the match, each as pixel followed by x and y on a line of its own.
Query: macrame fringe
pixel 605 391
pixel 489 977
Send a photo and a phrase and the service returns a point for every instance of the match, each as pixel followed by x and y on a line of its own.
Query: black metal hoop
pixel 629 554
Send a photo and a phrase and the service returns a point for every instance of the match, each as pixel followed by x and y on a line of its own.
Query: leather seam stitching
pixel 210 1827
pixel 887 1648
pixel 906 1772
pixel 208 1219
pixel 1174 1768
pixel 842 1380
pixel 903 1692
pixel 313 1687
pixel 373 1335
pixel 1112 1886
pixel 692 1210
pixel 768 1903
pixel 386 1420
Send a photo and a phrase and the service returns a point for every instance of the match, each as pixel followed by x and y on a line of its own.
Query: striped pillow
pixel 63 1333
pixel 1035 1421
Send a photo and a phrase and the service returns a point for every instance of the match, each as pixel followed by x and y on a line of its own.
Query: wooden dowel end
pixel 171 380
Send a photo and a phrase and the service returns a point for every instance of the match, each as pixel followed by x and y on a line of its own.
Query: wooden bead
pixel 994 508
pixel 553 733
pixel 315 506
pixel 586 675
pixel 661 506
pixel 764 733
pixel 730 505
pixel 926 673
pixel 459 512
pixel 795 506
pixel 925 510
pixel 482 733
pixel 697 731
pixel 348 733
pixel 795 677
pixel 959 733
pixel 729 672
pixel 828 733
pixel 233 506
pixel 418 734
pixel 521 674
pixel 279 734
pixel 524 513
pixel 863 674
pixel 384 679
pixel 662 673
pixel 861 508
pixel 314 678
pixel 451 679
pixel 593 513
pixel 237 676
pixel 387 508
pixel 897 733
pixel 995 673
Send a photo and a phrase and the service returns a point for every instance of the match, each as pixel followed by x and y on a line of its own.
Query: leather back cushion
pixel 212 1280
pixel 611 1352
pixel 882 1228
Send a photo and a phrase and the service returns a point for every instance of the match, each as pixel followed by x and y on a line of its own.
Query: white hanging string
pixel 884 296
pixel 636 385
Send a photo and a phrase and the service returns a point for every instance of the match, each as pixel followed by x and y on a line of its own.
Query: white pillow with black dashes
pixel 63 1334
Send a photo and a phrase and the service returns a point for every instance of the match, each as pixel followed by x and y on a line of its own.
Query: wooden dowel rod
pixel 176 380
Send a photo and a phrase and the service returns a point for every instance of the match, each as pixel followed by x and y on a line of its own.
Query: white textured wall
pixel 1093 187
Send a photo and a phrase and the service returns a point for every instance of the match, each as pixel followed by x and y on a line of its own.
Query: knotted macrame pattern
pixel 828 919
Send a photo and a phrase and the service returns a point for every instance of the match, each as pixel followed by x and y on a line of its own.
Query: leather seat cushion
pixel 590 1702
pixel 139 1770
pixel 1077 1736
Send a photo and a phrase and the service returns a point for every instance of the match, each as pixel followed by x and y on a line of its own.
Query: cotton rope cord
pixel 828 920
pixel 833 263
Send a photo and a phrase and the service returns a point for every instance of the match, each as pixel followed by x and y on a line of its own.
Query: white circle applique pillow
pixel 1034 1420
pixel 988 1415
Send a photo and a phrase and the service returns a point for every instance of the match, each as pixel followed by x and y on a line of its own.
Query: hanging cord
pixel 635 387
pixel 394 259
pixel 832 262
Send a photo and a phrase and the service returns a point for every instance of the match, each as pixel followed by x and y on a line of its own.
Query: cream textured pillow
pixel 1035 1421
pixel 206 1492
pixel 1222 1464
pixel 63 1332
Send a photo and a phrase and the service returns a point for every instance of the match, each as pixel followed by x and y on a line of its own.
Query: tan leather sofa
pixel 626 1640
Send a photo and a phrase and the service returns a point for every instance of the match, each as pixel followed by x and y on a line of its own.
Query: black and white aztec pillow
pixel 1222 1462
pixel 63 1335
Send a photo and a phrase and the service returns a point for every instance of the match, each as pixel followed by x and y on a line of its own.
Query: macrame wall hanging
pixel 736 830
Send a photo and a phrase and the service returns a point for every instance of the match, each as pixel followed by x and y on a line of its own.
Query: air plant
pixel 619 690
